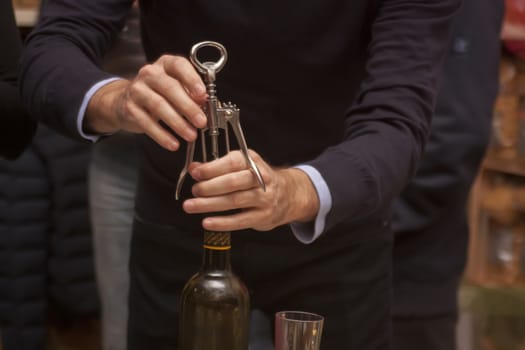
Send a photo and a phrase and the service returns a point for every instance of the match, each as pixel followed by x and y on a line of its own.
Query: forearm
pixel 387 126
pixel 53 89
pixel 62 58
pixel 102 111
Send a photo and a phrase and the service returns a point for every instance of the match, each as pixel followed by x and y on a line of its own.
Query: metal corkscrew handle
pixel 219 116
pixel 208 67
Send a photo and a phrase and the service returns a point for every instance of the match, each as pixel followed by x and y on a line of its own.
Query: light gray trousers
pixel 112 182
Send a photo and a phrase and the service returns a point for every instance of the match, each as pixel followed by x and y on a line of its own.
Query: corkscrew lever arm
pixel 190 151
pixel 230 113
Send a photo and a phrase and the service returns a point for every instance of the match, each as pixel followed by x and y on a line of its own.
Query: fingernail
pixel 196 174
pixel 207 222
pixel 199 89
pixel 191 135
pixel 188 206
pixel 201 120
pixel 173 146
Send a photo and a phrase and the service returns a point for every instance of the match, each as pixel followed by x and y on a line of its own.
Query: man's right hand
pixel 169 90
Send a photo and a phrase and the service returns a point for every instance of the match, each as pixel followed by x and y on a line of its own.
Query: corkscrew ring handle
pixel 206 67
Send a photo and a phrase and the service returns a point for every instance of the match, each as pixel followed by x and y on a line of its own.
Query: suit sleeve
pixel 388 123
pixel 63 56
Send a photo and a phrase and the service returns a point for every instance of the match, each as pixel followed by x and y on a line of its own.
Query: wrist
pixel 103 109
pixel 305 204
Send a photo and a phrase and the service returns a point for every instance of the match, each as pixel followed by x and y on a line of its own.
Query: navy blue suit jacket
pixel 345 86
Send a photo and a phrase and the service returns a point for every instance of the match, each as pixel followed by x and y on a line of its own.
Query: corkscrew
pixel 219 116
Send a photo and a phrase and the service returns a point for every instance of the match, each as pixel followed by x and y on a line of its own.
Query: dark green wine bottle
pixel 215 305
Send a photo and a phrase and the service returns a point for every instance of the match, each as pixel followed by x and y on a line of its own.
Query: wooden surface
pixel 82 334
pixel 515 166
pixel 77 335
pixel 476 256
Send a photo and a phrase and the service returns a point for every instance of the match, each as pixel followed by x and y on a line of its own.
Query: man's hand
pixel 169 90
pixel 227 183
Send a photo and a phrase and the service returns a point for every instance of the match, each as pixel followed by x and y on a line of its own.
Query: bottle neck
pixel 216 251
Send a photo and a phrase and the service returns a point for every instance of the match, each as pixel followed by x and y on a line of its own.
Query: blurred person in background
pixel 46 267
pixel 113 172
pixel 430 216
pixel 17 126
pixel 16 133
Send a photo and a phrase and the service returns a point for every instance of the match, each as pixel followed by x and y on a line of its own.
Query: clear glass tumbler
pixel 298 330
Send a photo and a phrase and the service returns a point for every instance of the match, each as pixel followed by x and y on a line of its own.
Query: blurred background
pixel 61 304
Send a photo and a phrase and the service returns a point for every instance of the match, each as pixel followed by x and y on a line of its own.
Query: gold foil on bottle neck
pixel 217 240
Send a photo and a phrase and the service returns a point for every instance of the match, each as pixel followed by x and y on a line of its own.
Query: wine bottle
pixel 215 305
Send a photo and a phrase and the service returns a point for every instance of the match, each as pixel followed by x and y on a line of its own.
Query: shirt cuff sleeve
pixel 82 111
pixel 308 232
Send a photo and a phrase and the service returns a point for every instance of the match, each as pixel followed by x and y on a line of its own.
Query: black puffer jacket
pixel 45 239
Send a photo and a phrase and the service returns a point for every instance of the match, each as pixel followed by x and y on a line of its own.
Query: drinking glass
pixel 298 330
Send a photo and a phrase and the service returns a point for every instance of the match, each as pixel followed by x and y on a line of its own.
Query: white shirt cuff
pixel 82 111
pixel 308 232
